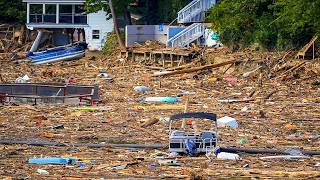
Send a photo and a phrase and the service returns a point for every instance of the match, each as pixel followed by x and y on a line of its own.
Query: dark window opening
pixel 95 34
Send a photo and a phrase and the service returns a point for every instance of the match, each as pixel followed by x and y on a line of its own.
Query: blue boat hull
pixel 71 56
pixel 65 53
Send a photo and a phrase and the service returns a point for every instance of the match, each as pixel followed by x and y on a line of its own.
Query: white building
pixel 66 18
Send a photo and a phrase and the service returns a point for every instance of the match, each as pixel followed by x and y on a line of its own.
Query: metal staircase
pixel 194 13
pixel 187 36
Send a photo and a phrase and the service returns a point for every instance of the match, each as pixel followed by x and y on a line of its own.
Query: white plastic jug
pixel 228 156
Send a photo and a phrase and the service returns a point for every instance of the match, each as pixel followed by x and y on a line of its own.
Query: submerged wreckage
pixel 48 93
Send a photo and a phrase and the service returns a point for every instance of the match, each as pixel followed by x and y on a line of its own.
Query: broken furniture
pixel 49 93
pixel 182 141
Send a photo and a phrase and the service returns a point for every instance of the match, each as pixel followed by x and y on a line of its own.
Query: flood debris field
pixel 283 113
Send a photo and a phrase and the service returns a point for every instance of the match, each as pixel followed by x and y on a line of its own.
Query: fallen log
pixel 285 74
pixel 211 66
pixel 57 144
pixel 153 146
pixel 265 151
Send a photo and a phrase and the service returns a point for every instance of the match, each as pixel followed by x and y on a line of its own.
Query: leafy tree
pixel 297 21
pixel 12 11
pixel 272 24
pixel 120 6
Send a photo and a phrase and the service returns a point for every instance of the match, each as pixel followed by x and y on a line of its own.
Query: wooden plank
pixel 304 50
pixel 196 69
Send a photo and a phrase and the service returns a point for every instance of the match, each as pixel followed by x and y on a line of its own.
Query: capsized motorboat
pixel 62 53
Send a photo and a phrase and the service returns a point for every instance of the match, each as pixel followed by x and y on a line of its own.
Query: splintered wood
pixel 284 113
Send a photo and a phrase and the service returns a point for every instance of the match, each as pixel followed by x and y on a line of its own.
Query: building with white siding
pixel 66 18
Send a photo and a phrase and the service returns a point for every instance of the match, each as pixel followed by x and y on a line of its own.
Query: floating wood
pixel 196 69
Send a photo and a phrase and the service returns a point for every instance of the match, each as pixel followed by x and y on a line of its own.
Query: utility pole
pixel 115 23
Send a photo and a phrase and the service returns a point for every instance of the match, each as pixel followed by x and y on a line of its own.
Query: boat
pixel 62 53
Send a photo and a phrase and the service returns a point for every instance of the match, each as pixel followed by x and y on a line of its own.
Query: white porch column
pixel 37 41
pixel 73 12
pixel 43 8
pixel 28 13
pixel 57 13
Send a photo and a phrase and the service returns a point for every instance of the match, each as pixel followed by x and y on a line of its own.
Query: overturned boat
pixel 62 53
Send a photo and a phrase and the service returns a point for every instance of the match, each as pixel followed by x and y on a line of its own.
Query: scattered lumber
pixel 285 74
pixel 183 66
pixel 270 94
pixel 211 66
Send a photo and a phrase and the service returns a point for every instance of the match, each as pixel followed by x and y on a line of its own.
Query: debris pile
pixel 267 106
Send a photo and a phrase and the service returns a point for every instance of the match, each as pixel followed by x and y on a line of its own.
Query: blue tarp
pixel 52 160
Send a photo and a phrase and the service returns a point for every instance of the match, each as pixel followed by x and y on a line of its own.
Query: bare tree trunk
pixel 127 16
pixel 116 27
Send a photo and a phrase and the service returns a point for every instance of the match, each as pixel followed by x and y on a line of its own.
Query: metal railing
pixel 187 36
pixel 48 91
pixel 194 11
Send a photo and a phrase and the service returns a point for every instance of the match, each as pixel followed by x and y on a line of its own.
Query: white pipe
pixel 28 13
pixel 37 41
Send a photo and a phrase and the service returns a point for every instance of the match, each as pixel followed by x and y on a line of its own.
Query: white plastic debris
pixel 104 75
pixel 23 79
pixel 244 109
pixel 227 122
pixel 160 73
pixel 42 172
pixel 228 156
pixel 164 120
pixel 142 89
pixel 247 74
pixel 168 162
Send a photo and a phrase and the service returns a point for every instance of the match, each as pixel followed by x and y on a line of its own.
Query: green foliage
pixel 12 11
pixel 96 5
pixel 168 9
pixel 110 44
pixel 271 24
pixel 153 11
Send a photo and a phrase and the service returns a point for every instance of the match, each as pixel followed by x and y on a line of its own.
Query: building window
pixel 95 34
